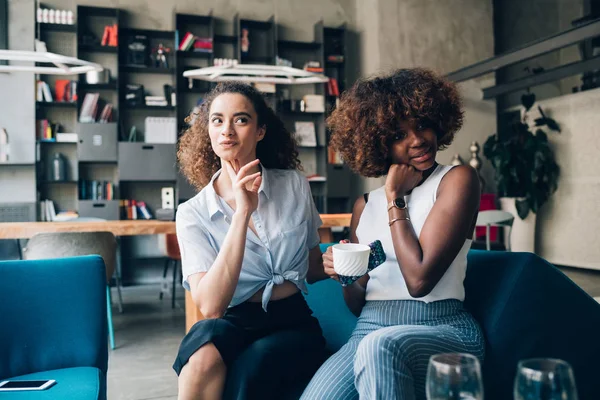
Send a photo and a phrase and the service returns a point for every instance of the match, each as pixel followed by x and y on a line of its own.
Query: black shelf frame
pixel 150 33
pixel 97 86
pixel 66 28
pixel 96 48
pixel 67 182
pixel 258 25
pixel 92 11
pixel 296 45
pixel 147 107
pixel 146 70
pixel 194 54
pixel 225 39
pixel 57 104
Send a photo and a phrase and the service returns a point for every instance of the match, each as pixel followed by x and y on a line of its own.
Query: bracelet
pixel 398 219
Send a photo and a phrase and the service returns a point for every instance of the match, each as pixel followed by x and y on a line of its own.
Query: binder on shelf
pixel 305 134
pixel 160 130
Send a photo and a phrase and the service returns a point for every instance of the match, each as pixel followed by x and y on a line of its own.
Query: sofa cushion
pixel 81 383
pixel 326 300
pixel 528 308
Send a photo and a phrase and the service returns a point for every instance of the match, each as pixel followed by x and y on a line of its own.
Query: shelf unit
pixel 138 170
pixel 338 174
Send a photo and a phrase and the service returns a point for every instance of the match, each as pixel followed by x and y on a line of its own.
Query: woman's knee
pixel 205 362
pixel 375 344
pixel 381 347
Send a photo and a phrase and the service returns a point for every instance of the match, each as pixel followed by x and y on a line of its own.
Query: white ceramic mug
pixel 351 259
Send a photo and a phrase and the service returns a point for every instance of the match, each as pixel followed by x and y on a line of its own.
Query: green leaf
pixel 553 125
pixel 522 208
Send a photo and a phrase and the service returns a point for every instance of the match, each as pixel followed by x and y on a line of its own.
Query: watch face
pixel 400 203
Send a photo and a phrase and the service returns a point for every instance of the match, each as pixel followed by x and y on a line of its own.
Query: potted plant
pixel 525 170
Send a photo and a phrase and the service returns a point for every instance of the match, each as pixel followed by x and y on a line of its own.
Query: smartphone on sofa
pixel 15 385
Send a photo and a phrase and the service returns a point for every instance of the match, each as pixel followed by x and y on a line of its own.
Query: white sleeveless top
pixel 387 282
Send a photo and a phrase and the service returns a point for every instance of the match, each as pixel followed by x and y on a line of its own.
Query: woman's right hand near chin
pixel 245 187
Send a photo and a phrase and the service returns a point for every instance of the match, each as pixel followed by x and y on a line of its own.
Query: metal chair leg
pixel 175 268
pixel 118 275
pixel 164 285
pixel 111 331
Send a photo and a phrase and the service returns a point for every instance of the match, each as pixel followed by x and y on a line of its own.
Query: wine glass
pixel 454 376
pixel 544 379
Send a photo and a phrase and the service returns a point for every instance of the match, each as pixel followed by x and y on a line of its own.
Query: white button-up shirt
pixel 286 223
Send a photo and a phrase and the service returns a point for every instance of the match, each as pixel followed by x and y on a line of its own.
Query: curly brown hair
pixel 367 119
pixel 198 161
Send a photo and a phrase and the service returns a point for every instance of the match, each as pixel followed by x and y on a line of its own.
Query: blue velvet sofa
pixel 526 307
pixel 53 326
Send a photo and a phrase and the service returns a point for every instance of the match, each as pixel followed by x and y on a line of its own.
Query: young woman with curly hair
pixel 248 241
pixel 410 307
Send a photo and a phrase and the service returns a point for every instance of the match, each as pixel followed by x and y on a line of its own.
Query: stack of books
pixel 132 209
pixel 191 42
pixel 96 190
pixel 64 90
pixel 313 66
pixel 48 212
pixel 89 109
pixel 156 101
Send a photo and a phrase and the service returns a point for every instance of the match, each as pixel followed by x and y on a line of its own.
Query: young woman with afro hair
pixel 411 306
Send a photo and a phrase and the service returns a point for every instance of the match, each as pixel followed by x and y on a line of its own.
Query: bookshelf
pixel 339 175
pixel 104 156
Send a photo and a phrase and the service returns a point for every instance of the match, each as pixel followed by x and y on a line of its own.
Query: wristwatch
pixel 399 203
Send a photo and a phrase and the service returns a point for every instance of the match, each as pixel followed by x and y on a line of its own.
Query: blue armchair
pixel 526 307
pixel 53 315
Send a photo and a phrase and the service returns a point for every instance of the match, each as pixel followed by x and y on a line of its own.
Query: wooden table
pixel 25 230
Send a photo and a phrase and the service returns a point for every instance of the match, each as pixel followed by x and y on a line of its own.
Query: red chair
pixel 174 259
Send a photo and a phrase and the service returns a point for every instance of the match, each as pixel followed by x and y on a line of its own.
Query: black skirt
pixel 247 322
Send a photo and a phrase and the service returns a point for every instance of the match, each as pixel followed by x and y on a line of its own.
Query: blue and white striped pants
pixel 388 353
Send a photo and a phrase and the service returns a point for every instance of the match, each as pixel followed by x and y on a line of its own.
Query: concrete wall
pixel 521 22
pixel 443 36
pixel 298 17
pixel 17 110
pixel 567 226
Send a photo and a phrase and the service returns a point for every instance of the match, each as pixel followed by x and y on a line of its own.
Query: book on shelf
pixel 143 210
pixel 110 36
pixel 47 211
pixel 96 190
pixel 334 157
pixel 89 108
pixel 43 92
pixel 46 131
pixel 106 114
pixel 335 58
pixel 134 209
pixel 187 42
pixel 204 45
pixel 333 88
